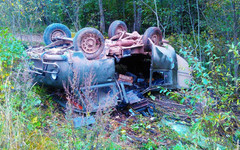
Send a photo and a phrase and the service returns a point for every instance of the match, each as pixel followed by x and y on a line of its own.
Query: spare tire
pixel 55 30
pixel 90 41
pixel 155 34
pixel 115 27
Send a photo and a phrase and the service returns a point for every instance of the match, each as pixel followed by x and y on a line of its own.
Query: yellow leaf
pixel 123 131
pixel 34 120
pixel 12 4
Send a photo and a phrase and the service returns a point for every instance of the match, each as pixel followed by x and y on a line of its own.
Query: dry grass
pixel 30 120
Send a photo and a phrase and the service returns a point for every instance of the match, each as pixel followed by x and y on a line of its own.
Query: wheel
pixel 116 27
pixel 154 34
pixel 90 41
pixel 55 30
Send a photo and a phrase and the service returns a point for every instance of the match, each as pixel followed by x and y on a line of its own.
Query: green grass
pixel 30 119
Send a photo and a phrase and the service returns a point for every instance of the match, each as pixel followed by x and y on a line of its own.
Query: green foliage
pixel 10 48
pixel 209 42
pixel 150 145
pixel 214 87
pixel 11 51
pixel 29 119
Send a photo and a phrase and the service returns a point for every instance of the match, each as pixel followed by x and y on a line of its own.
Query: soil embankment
pixel 35 38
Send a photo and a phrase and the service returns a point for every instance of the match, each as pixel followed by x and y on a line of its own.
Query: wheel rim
pixel 119 30
pixel 155 38
pixel 57 33
pixel 90 43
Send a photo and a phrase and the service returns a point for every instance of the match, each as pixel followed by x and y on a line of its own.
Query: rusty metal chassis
pixel 115 46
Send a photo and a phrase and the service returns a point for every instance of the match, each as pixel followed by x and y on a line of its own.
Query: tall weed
pixel 29 118
pixel 214 87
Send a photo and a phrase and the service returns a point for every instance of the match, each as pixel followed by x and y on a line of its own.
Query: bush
pixel 29 118
pixel 214 86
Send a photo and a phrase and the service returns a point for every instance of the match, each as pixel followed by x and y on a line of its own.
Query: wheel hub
pixel 90 43
pixel 56 34
pixel 155 39
pixel 119 30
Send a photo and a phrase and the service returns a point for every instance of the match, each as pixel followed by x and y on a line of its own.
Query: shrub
pixel 214 85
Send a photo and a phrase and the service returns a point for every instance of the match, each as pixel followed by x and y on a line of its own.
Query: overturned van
pixel 121 68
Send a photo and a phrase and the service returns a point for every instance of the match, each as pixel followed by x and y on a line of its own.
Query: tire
pixel 90 41
pixel 155 34
pixel 115 27
pixel 55 30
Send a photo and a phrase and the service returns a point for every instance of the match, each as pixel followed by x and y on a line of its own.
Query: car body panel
pixel 73 64
pixel 96 82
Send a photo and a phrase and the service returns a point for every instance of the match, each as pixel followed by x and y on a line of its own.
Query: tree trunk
pixel 139 18
pixel 123 9
pixel 192 24
pixel 134 15
pixel 76 23
pixel 102 21
pixel 200 51
pixel 171 16
pixel 155 3
pixel 235 40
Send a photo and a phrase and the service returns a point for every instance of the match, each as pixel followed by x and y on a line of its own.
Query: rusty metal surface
pixel 124 41
pixel 125 78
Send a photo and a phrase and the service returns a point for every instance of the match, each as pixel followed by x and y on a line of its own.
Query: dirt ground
pixel 35 38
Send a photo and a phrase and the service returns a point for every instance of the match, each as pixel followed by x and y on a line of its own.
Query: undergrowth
pixel 214 87
pixel 30 119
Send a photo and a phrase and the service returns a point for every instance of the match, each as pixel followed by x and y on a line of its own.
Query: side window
pixel 162 78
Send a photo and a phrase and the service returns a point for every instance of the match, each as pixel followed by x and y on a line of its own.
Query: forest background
pixel 205 32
